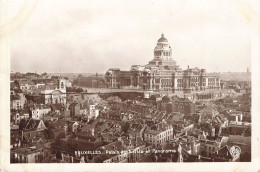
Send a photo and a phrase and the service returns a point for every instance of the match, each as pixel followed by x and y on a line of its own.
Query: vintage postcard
pixel 129 85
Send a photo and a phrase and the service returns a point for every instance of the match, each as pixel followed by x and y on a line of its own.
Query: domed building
pixel 163 55
pixel 162 74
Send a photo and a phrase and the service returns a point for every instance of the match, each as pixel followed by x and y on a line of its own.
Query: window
pixel 62 85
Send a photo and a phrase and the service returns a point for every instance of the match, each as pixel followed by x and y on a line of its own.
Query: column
pixel 160 84
pixel 206 82
pixel 175 83
pixel 131 81
pixel 138 81
pixel 150 83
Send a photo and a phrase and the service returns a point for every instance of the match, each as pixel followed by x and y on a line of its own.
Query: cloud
pixel 91 36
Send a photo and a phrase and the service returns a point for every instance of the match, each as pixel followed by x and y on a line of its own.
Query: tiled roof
pixel 57 124
pixel 56 106
pixel 15 97
pixel 32 124
pixel 18 91
pixel 239 139
pixel 41 106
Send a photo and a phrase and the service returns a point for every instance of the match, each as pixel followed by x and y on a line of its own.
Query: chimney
pixel 188 66
pixel 22 135
pixel 65 129
pixel 193 147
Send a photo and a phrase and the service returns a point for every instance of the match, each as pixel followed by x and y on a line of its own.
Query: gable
pixel 56 92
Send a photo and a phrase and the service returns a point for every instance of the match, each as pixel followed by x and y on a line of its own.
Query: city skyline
pixel 74 39
pixel 129 82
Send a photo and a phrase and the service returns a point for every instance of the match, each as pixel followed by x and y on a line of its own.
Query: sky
pixel 89 36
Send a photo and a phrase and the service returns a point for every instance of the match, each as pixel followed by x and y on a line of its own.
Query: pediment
pixel 56 92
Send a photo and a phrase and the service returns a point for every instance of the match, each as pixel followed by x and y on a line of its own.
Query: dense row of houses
pixel 81 127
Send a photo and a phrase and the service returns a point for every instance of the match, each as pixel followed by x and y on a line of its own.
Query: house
pixel 16 139
pixel 93 111
pixel 158 134
pixel 73 126
pixel 208 147
pixel 136 130
pixel 40 83
pixel 34 137
pixel 227 154
pixel 29 155
pixel 175 104
pixel 112 153
pixel 58 133
pixel 17 99
pixel 26 85
pixel 35 124
pixel 98 128
pixel 55 96
pixel 81 141
pixel 58 108
pixel 240 128
pixel 84 97
pixel 105 117
pixel 84 110
pixel 74 110
pixel 19 115
pixel 195 118
pixel 135 146
pixel 39 111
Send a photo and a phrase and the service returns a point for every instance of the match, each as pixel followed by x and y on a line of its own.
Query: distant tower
pixel 247 70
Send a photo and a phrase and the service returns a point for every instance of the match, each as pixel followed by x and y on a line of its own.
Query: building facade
pixel 57 95
pixel 161 134
pixel 162 74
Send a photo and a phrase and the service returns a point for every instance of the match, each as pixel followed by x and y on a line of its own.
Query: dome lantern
pixel 162 39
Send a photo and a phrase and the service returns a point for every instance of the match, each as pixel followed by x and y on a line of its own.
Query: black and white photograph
pixel 144 82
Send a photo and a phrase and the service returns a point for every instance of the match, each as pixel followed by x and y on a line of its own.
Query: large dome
pixel 162 39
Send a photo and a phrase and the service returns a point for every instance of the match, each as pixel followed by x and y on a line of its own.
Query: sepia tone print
pixel 84 93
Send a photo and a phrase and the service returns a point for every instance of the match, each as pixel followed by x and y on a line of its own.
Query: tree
pixel 69 89
pixel 79 90
pixel 54 77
